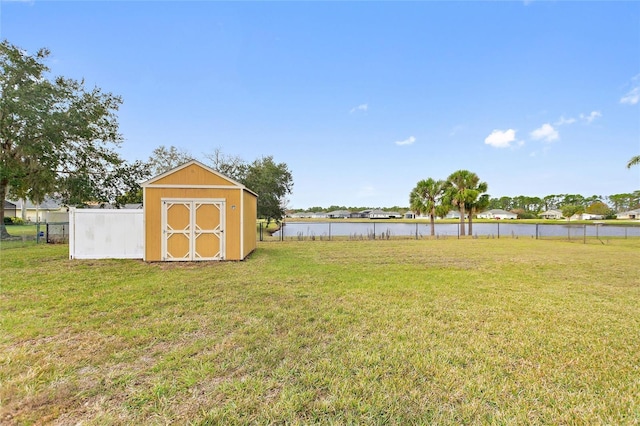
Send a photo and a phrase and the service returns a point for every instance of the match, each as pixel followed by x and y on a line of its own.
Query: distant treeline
pixel 525 205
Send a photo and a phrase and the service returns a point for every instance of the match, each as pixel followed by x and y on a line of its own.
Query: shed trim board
pixel 193 186
pixel 186 236
pixel 241 224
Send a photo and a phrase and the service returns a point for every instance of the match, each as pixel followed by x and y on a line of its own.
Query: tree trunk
pixel 432 216
pixel 3 230
pixel 462 220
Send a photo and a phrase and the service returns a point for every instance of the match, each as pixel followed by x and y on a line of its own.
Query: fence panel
pixel 106 234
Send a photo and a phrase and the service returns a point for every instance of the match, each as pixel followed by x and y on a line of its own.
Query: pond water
pixel 423 229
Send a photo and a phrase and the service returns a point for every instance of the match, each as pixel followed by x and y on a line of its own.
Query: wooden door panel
pixel 178 217
pixel 178 247
pixel 207 216
pixel 207 247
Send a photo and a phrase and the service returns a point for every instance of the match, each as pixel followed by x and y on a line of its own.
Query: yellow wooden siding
pixel 153 216
pixel 250 216
pixel 193 175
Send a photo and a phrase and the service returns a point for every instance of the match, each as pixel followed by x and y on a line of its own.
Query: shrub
pixel 13 221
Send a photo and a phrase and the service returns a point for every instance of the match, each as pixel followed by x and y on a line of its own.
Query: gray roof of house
pixel 49 203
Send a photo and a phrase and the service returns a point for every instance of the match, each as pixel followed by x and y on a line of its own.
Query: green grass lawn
pixel 471 331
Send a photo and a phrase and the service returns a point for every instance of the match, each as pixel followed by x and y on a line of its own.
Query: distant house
pixel 497 214
pixel 319 215
pixel 587 216
pixel 455 214
pixel 412 215
pixel 339 214
pixel 631 214
pixel 50 210
pixel 10 209
pixel 300 215
pixel 551 214
pixel 381 214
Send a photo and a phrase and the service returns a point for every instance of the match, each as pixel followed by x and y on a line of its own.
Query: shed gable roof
pixel 196 174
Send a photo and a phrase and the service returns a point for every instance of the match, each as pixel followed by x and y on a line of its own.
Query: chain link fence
pixel 312 231
pixel 56 233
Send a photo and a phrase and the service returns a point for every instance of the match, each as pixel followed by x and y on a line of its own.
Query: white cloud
pixel 546 133
pixel 632 97
pixel 361 107
pixel 408 141
pixel 589 118
pixel 501 138
pixel 564 121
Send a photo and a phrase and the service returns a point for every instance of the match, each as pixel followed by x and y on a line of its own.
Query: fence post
pixel 416 230
pixel 537 230
pixel 260 234
pixel 498 230
pixel 329 231
pixel 584 234
pixel 374 230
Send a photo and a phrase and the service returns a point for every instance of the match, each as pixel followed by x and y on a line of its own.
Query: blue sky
pixel 363 99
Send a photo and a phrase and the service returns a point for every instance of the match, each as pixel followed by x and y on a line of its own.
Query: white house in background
pixel 339 214
pixel 380 214
pixel 300 215
pixel 412 215
pixel 587 216
pixel 455 214
pixel 50 210
pixel 551 214
pixel 497 214
pixel 631 214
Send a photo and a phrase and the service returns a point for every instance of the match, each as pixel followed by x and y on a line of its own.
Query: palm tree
pixel 425 198
pixel 633 162
pixel 478 205
pixel 463 189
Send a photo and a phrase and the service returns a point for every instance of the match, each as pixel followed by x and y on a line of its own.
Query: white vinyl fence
pixel 106 234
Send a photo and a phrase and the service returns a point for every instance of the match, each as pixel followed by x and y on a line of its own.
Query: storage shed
pixel 193 212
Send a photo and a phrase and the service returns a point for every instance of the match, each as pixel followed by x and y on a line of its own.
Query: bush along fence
pixel 326 231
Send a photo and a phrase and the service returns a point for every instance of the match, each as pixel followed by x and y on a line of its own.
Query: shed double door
pixel 192 230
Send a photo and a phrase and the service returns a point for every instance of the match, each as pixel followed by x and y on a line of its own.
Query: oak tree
pixel 56 135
